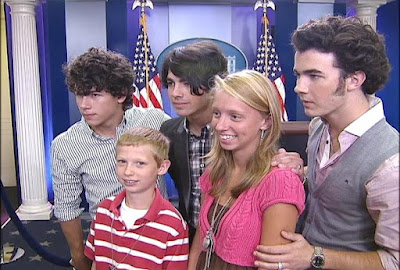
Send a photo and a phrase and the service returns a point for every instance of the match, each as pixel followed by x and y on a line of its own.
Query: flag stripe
pixel 146 95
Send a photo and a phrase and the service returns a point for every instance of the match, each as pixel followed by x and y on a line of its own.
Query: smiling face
pixel 137 169
pixel 186 104
pixel 237 125
pixel 102 111
pixel 319 85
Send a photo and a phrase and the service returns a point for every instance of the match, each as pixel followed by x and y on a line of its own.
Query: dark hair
pixel 197 63
pixel 356 46
pixel 101 69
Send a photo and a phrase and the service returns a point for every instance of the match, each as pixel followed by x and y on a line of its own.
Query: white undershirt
pixel 130 215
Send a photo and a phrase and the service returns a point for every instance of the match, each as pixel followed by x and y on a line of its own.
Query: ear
pixel 354 81
pixel 267 122
pixel 164 167
pixel 121 99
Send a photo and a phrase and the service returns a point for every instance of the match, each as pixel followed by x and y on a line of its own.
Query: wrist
pixel 317 260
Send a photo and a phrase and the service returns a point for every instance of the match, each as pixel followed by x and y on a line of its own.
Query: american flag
pixel 267 63
pixel 144 64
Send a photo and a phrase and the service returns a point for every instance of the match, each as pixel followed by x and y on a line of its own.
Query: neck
pixel 350 111
pixel 197 122
pixel 140 201
pixel 109 128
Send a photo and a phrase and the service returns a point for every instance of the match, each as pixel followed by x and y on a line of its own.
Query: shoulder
pixel 170 216
pixel 205 182
pixel 281 180
pixel 172 124
pixel 106 203
pixel 69 136
pixel 147 117
pixel 282 185
pixel 146 112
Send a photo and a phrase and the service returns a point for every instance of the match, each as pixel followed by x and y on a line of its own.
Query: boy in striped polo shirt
pixel 138 228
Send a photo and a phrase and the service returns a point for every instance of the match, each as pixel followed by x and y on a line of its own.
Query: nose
pixel 129 169
pixel 176 90
pixel 301 85
pixel 220 123
pixel 83 102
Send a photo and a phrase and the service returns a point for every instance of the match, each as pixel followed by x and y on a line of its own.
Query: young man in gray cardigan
pixel 352 217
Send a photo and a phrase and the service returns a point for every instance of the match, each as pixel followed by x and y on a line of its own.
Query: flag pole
pixel 146 65
pixel 265 21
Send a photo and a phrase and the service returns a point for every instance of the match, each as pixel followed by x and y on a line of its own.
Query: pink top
pixel 240 229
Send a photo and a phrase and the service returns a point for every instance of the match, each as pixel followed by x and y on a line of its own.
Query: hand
pixel 81 263
pixel 292 256
pixel 290 160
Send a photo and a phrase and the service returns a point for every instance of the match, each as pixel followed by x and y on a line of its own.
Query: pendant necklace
pixel 208 242
pixel 114 267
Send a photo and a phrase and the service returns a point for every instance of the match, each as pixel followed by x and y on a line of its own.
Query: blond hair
pixel 257 91
pixel 147 136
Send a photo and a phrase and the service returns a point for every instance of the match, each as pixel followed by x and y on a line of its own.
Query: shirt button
pixel 327 142
pixel 202 140
pixel 202 165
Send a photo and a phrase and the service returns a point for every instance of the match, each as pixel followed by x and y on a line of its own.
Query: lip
pixel 88 115
pixel 130 182
pixel 179 104
pixel 306 101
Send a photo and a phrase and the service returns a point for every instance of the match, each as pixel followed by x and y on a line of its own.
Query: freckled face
pixel 137 170
pixel 236 124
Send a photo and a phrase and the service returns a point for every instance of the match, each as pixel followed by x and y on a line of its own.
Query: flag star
pixel 35 258
pixel 46 243
pixel 52 231
pixel 273 74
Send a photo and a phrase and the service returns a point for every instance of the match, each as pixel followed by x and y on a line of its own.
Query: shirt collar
pixel 120 128
pixel 156 206
pixel 186 126
pixel 368 119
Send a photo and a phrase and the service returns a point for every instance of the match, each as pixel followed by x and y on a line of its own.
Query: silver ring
pixel 280 266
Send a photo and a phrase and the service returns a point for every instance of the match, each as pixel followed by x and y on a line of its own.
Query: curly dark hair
pixel 197 63
pixel 356 46
pixel 101 69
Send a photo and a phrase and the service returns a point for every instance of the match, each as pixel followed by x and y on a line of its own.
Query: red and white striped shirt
pixel 159 240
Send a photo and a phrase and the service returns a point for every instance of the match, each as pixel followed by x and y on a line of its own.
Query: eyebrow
pixel 309 71
pixel 179 79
